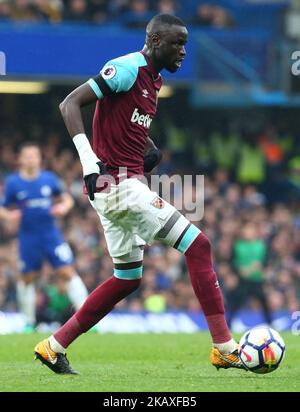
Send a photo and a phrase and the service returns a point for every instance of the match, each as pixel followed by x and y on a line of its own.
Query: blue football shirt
pixel 34 198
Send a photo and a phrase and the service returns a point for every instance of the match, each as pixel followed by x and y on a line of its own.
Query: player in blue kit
pixel 34 198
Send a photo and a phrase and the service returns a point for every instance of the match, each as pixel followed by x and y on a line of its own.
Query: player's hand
pixel 12 220
pixel 151 159
pixel 59 210
pixel 14 216
pixel 91 180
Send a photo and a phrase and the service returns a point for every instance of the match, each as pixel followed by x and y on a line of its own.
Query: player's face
pixel 171 50
pixel 30 158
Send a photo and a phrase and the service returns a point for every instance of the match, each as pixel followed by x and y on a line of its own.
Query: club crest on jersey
pixel 109 72
pixel 46 190
pixel 158 203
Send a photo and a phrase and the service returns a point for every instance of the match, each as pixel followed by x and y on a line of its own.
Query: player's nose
pixel 182 52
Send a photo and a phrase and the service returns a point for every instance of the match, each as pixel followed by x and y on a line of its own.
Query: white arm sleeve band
pixel 87 156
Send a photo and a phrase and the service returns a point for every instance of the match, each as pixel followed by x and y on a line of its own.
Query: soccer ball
pixel 261 350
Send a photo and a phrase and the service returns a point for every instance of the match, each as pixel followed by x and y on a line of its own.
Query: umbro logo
pixel 145 93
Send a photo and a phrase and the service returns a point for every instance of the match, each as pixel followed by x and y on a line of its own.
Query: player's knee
pixel 28 279
pixel 133 285
pixel 66 272
pixel 129 266
pixel 126 286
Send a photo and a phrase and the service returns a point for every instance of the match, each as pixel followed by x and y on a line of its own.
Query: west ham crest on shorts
pixel 158 203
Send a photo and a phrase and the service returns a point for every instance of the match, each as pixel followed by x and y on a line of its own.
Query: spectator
pixel 203 15
pixel 24 10
pixel 252 165
pixel 54 304
pixel 250 255
pixel 76 10
pixel 50 9
pixel 166 6
pixel 138 15
pixel 222 19
pixel 208 15
pixel 98 11
pixel 5 10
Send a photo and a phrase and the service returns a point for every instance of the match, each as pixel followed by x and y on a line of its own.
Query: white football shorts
pixel 132 215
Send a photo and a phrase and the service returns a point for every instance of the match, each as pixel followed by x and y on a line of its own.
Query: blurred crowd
pixel 239 214
pixel 251 189
pixel 130 13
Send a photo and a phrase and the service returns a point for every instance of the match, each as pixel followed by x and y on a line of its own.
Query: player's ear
pixel 155 40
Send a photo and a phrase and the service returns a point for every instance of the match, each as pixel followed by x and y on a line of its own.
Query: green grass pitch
pixel 135 363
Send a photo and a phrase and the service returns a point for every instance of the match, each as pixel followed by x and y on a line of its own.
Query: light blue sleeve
pixel 120 74
pixel 95 88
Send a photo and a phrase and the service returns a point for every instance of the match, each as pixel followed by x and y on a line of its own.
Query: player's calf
pixel 207 289
pixel 188 239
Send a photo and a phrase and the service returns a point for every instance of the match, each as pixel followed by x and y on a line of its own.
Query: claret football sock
pixel 66 334
pixel 206 287
pixel 98 304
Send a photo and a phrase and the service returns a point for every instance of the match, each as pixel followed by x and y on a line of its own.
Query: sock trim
pixel 129 274
pixel 188 238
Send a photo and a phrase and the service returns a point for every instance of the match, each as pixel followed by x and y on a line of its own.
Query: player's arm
pixel 115 77
pixel 152 155
pixel 70 108
pixel 63 205
pixel 150 145
pixel 8 215
pixel 8 202
pixel 71 112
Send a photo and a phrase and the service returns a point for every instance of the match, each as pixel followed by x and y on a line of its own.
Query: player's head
pixel 166 36
pixel 249 231
pixel 30 157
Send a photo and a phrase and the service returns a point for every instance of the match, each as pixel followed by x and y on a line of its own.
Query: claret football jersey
pixel 127 89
